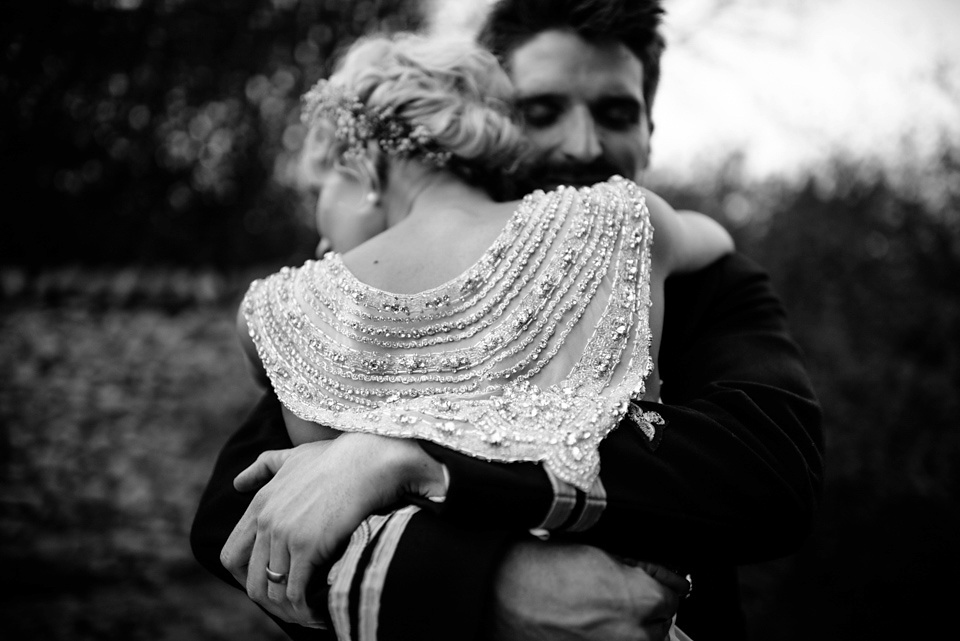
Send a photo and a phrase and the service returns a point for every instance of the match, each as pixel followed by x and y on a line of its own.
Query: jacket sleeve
pixel 728 468
pixel 414 572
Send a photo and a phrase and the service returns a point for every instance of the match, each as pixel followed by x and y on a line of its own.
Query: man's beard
pixel 550 175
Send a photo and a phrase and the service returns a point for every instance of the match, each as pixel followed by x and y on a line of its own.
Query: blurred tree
pixel 870 276
pixel 152 130
pixel 866 262
pixel 868 273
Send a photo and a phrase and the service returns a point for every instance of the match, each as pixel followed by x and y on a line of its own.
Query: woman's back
pixel 431 246
pixel 525 347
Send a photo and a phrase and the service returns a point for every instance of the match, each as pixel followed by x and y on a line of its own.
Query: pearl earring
pixel 372 198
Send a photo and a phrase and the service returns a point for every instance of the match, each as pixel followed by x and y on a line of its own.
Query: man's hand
pixel 576 592
pixel 318 494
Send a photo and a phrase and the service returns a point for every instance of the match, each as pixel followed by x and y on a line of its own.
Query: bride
pixel 510 331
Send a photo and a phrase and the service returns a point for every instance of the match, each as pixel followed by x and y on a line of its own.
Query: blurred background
pixel 147 159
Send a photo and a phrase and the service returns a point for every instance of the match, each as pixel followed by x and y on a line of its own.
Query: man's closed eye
pixel 540 113
pixel 617 114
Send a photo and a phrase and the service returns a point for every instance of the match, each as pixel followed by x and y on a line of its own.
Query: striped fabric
pixel 357 580
pixel 573 510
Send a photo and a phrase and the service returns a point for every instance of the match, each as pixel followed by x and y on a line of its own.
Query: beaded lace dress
pixel 532 354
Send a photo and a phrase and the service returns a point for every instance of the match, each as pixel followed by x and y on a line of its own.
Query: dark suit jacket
pixel 733 477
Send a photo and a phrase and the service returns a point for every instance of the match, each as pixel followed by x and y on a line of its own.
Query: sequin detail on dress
pixel 532 354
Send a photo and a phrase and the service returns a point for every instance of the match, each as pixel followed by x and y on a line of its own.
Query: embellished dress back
pixel 532 354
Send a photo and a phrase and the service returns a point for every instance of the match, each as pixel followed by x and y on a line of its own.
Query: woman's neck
pixel 415 191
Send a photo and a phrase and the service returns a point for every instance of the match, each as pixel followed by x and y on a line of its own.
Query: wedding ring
pixel 276 577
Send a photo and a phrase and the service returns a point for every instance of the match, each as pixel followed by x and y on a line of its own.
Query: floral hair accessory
pixel 356 125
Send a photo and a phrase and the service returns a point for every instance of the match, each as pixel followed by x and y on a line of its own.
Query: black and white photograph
pixel 479 320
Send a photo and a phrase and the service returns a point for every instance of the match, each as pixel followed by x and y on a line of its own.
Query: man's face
pixel 583 108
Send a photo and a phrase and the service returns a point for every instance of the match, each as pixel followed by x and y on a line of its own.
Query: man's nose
pixel 580 141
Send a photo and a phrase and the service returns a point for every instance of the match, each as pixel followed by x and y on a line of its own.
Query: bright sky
pixel 789 81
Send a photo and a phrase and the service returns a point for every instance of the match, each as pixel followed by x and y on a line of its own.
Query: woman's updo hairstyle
pixel 452 88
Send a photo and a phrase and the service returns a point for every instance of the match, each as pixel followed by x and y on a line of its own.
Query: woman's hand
pixel 312 499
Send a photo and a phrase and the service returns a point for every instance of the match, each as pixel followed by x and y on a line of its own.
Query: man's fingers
pixel 261 471
pixel 672 580
pixel 301 569
pixel 235 555
pixel 656 594
pixel 256 573
pixel 277 570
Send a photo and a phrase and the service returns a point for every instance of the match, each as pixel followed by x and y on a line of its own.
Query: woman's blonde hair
pixel 453 89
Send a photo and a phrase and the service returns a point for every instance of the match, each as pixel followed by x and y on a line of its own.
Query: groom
pixel 732 475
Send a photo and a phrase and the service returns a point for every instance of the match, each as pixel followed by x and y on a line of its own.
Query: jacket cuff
pixel 521 496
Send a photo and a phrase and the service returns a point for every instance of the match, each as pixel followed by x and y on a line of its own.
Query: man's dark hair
pixel 635 23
